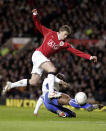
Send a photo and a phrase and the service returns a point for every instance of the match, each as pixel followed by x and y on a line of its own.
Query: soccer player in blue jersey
pixel 55 105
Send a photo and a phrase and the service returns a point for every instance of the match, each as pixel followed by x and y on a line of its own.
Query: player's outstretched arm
pixel 38 25
pixel 63 83
pixel 38 105
pixel 82 54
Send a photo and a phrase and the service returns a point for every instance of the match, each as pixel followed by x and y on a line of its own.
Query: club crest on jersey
pixel 52 44
pixel 61 43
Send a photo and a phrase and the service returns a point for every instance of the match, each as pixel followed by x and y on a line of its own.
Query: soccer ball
pixel 81 98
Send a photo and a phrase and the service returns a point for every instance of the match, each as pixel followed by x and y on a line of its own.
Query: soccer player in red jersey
pixel 53 42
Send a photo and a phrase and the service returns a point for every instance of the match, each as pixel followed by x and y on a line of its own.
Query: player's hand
pixel 36 114
pixel 34 11
pixel 93 58
pixel 65 84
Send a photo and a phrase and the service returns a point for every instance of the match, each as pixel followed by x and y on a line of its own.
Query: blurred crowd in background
pixel 86 17
pixel 87 21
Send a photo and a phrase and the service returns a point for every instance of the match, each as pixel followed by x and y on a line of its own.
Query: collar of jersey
pixel 58 36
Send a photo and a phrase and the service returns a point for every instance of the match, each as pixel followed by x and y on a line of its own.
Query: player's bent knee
pixel 33 82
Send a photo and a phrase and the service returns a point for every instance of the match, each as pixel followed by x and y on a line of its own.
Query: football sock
pixel 73 103
pixel 51 78
pixel 21 83
pixel 86 106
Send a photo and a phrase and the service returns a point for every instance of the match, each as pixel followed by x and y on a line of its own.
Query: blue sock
pixel 86 106
pixel 74 104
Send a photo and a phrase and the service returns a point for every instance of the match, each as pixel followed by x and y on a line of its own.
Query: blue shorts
pixel 53 106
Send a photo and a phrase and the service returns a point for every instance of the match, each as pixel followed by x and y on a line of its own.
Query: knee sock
pixel 73 103
pixel 51 78
pixel 21 83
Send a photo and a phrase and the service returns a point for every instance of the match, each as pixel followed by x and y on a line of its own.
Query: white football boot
pixel 6 88
pixel 54 95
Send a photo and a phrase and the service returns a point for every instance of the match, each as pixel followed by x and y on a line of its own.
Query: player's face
pixel 63 35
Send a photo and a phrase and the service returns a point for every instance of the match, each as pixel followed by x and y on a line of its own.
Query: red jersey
pixel 52 44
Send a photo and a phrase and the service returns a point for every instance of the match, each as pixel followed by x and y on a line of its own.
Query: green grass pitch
pixel 22 119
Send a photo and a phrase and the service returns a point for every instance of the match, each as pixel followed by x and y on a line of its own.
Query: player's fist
pixel 93 58
pixel 34 11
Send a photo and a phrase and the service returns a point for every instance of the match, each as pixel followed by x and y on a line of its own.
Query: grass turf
pixel 22 119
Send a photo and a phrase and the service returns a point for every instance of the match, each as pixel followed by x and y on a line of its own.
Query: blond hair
pixel 65 28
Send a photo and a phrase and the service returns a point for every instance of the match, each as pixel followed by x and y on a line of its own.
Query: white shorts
pixel 38 58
